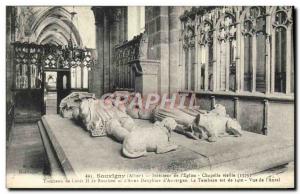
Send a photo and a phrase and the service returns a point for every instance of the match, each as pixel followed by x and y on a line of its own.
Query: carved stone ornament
pixel 227 28
pixel 189 34
pixel 250 26
pixel 205 33
pixel 282 17
pixel 157 138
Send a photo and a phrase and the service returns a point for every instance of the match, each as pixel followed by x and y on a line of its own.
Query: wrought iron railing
pixel 124 57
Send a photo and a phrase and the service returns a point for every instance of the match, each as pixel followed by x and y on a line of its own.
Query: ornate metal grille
pixel 31 59
pixel 124 57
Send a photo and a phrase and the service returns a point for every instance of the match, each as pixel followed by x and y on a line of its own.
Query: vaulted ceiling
pixel 44 25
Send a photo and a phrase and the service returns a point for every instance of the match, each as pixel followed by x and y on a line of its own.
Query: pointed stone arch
pixel 53 39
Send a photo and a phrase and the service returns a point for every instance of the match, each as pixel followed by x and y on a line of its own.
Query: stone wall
pixel 10 37
pixel 163 27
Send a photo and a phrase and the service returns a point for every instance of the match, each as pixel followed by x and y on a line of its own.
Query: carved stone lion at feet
pixel 154 139
pixel 212 126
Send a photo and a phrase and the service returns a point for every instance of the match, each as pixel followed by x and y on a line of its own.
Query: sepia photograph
pixel 150 97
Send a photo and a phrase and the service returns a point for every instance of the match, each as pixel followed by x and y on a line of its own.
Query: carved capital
pixel 98 14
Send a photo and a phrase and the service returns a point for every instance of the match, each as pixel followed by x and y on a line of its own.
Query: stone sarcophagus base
pixel 72 151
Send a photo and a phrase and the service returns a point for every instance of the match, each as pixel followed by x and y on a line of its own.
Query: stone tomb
pixel 72 151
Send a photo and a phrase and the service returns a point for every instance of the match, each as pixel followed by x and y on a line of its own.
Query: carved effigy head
pixel 196 130
pixel 233 127
pixel 84 108
pixel 70 104
pixel 169 123
pixel 85 114
pixel 219 110
pixel 90 117
pixel 76 114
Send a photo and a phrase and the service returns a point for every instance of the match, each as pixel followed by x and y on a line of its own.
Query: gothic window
pixel 210 67
pixel 205 56
pixel 282 28
pixel 254 37
pixel 248 62
pixel 27 68
pixel 188 36
pixel 257 59
pixel 21 58
pixel 232 65
pixel 227 49
pixel 186 70
pixel 35 69
pixel 79 71
pixel 261 54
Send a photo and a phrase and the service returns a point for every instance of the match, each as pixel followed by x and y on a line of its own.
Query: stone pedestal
pixel 146 76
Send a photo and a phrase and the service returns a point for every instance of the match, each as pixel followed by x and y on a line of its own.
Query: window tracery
pixel 282 33
pixel 247 49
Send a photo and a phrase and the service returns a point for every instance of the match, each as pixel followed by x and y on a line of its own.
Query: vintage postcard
pixel 150 97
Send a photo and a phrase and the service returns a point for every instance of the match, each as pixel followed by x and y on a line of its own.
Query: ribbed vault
pixel 54 25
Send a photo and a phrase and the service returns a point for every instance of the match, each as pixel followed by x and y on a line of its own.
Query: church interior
pixel 239 57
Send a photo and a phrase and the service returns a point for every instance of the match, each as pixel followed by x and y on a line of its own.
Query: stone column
pixel 125 21
pixel 162 24
pixel 237 58
pixel 174 33
pixel 10 38
pixel 98 74
pixel 114 40
pixel 268 53
pixel 106 53
pixel 289 58
pixel 157 27
pixel 254 62
pixel 121 26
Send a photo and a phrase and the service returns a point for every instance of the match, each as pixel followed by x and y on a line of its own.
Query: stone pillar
pixel 114 40
pixel 163 31
pixel 10 38
pixel 125 32
pixel 122 35
pixel 268 53
pixel 174 34
pixel 106 54
pixel 254 62
pixel 238 58
pixel 98 73
pixel 157 27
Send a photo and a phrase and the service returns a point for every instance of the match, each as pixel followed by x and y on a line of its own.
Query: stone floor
pixel 25 151
pixel 51 103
